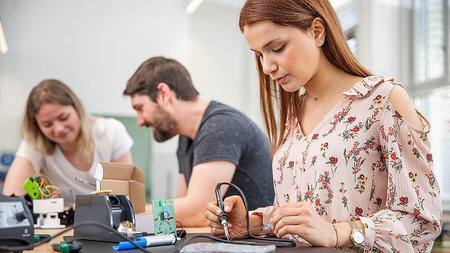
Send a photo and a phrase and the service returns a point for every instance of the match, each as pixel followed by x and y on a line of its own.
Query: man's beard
pixel 165 126
pixel 161 135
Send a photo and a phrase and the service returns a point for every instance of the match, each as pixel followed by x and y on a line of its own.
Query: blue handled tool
pixel 147 241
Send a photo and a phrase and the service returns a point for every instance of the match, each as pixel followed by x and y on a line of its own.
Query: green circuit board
pixel 164 217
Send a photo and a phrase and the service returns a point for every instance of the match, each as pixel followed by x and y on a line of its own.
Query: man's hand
pixel 190 209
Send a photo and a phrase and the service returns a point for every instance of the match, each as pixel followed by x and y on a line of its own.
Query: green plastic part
pixel 37 237
pixel 61 247
pixel 32 188
pixel 64 247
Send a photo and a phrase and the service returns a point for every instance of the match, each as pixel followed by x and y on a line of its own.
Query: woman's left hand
pixel 302 219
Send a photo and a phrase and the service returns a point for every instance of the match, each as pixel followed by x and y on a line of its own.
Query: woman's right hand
pixel 237 220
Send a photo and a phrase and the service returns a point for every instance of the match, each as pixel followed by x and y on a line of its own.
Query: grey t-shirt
pixel 226 134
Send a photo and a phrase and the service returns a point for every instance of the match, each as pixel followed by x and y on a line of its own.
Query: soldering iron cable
pixel 280 242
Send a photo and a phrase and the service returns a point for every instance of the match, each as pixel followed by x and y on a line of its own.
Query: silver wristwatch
pixel 357 235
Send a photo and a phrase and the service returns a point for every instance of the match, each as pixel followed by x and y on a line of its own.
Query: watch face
pixel 358 236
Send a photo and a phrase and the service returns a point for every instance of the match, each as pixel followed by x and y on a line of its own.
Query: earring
pixel 320 41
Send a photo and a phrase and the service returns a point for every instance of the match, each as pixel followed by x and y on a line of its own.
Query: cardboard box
pixel 126 179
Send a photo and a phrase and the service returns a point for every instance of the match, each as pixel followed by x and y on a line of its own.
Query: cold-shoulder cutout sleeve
pixel 400 100
pixel 413 211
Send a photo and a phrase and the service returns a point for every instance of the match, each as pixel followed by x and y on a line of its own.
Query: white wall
pixel 95 46
pixel 379 36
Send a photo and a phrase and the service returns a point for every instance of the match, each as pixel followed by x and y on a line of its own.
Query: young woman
pixel 63 141
pixel 351 165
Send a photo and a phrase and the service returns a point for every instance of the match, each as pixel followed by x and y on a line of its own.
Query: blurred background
pixel 95 46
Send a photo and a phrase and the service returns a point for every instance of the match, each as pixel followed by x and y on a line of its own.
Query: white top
pixel 111 141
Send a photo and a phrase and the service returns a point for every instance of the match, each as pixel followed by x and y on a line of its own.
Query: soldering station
pixel 110 218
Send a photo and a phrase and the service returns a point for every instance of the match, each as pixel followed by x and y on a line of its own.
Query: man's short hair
pixel 158 70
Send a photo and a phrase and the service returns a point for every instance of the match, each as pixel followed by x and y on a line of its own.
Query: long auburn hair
pixel 55 91
pixel 298 14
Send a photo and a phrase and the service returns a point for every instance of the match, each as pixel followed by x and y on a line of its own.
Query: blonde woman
pixel 63 141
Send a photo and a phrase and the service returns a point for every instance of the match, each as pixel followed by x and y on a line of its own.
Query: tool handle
pixel 66 247
pixel 219 197
pixel 158 240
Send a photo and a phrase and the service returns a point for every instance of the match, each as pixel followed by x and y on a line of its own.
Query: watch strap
pixel 354 225
pixel 356 229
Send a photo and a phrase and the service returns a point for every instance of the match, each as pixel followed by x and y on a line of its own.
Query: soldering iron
pixel 223 217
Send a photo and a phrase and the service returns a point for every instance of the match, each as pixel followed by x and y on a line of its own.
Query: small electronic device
pixel 164 217
pixel 48 210
pixel 16 224
pixel 108 209
pixel 41 187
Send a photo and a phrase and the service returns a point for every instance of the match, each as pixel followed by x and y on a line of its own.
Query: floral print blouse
pixel 364 161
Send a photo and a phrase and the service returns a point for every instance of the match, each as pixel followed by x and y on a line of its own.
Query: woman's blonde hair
pixel 54 91
pixel 298 14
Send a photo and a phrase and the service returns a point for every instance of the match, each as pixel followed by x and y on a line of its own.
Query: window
pixel 347 11
pixel 431 82
pixel 429 41
pixel 436 107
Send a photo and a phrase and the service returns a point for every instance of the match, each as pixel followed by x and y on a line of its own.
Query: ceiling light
pixel 193 5
pixel 338 3
pixel 3 45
